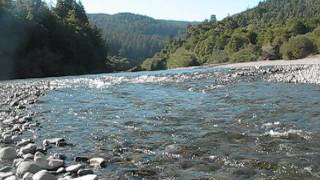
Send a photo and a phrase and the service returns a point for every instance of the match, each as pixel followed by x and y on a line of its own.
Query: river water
pixel 186 124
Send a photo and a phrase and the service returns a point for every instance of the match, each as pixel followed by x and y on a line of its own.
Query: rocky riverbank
pixel 23 158
pixel 26 159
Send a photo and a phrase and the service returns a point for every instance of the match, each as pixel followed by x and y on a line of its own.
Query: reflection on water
pixel 189 124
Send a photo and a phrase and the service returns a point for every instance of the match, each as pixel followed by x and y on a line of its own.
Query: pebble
pixel 61 170
pixel 74 168
pixel 11 178
pixel 97 162
pixel 83 172
pixel 5 169
pixel 43 175
pixel 5 174
pixel 27 176
pixel 55 141
pixel 87 177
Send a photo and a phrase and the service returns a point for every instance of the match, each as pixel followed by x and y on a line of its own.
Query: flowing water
pixel 186 124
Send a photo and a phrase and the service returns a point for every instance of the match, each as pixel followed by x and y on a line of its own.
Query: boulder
pixel 7 153
pixel 27 166
pixel 54 164
pixel 30 148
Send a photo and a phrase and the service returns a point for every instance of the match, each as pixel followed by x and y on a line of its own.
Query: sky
pixel 191 10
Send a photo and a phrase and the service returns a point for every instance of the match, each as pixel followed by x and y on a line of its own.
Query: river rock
pixel 27 176
pixel 74 168
pixel 7 153
pixel 81 159
pixel 28 156
pixel 55 141
pixel 83 172
pixel 7 139
pixel 24 142
pixel 9 121
pixel 4 175
pixel 17 162
pixel 5 169
pixel 87 177
pixel 54 164
pixel 11 178
pixel 27 166
pixel 61 170
pixel 97 162
pixel 41 161
pixel 43 175
pixel 30 148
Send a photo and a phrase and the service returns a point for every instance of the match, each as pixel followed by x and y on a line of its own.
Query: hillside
pixel 40 41
pixel 136 37
pixel 287 29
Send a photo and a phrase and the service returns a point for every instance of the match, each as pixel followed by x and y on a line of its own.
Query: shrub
pixel 298 47
pixel 155 63
pixel 250 53
pixel 182 58
pixel 269 53
pixel 217 56
pixel 315 36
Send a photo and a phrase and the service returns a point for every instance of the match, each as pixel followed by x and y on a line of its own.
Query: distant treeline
pixel 288 29
pixel 136 37
pixel 38 41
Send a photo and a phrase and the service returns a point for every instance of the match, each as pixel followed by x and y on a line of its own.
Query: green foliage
pixel 298 47
pixel 257 33
pixel 248 54
pixel 182 58
pixel 118 63
pixel 315 36
pixel 217 56
pixel 134 36
pixel 155 63
pixel 35 41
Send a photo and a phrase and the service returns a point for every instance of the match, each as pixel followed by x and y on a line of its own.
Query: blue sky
pixel 191 10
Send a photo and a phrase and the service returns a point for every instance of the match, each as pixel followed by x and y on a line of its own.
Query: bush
pixel 250 53
pixel 315 36
pixel 269 53
pixel 217 56
pixel 155 63
pixel 182 58
pixel 298 47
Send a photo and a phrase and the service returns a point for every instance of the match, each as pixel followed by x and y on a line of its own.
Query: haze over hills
pixel 274 29
pixel 136 37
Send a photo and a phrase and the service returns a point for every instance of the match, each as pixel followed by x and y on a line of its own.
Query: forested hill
pixel 287 29
pixel 136 37
pixel 38 41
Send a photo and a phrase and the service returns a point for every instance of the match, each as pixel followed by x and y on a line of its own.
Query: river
pixel 196 123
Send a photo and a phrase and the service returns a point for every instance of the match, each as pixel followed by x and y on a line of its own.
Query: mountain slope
pixel 136 37
pixel 271 30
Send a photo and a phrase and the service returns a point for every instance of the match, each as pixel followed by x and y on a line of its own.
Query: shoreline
pixel 312 60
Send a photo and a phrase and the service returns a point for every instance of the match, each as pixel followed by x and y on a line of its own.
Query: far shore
pixel 312 60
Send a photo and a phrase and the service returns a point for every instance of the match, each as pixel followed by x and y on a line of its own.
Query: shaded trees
pixel 48 42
